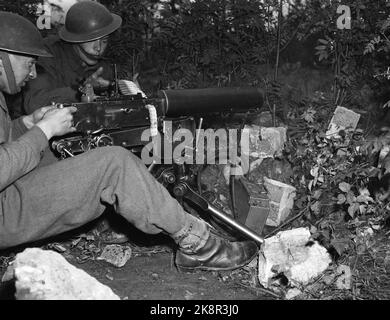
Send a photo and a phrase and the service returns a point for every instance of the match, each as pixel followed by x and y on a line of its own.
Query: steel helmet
pixel 87 21
pixel 19 35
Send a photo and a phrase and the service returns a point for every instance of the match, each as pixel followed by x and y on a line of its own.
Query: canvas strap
pixel 4 56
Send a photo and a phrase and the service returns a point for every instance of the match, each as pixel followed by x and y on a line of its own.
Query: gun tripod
pixel 179 182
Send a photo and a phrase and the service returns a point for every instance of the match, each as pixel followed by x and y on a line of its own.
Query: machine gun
pixel 121 120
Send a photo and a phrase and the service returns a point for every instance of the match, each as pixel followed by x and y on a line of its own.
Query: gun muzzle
pixel 186 102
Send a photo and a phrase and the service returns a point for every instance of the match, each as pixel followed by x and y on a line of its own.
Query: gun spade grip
pixel 185 102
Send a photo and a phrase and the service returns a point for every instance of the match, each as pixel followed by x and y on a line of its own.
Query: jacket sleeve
pixel 20 156
pixel 40 93
pixel 18 128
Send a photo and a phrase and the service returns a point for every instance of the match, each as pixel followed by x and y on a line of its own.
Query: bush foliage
pixel 195 43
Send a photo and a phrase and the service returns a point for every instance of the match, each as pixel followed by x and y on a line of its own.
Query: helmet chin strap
pixel 88 55
pixel 9 73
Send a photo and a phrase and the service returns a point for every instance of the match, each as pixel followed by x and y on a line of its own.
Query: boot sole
pixel 204 268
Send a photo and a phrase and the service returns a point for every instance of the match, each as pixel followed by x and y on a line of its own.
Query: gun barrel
pixel 185 102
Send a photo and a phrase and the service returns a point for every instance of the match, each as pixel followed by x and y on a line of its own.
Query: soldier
pixel 77 52
pixel 38 202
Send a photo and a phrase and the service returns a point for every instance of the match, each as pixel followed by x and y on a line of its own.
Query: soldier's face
pixel 91 52
pixel 24 70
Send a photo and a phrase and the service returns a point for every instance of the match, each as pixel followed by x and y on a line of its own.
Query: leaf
pixel 314 171
pixel 340 245
pixel 351 199
pixel 315 207
pixel 322 55
pixel 341 199
pixel 57 247
pixel 343 282
pixel 323 41
pixel 308 115
pixel 310 184
pixel 352 209
pixel 345 187
pixel 320 48
pixel 317 194
pixel 364 196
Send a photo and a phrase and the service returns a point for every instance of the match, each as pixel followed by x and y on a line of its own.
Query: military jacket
pixel 20 149
pixel 59 78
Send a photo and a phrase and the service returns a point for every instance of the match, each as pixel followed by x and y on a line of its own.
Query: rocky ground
pixel 149 274
pixel 337 201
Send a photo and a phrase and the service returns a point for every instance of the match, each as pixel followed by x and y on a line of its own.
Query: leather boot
pixel 217 254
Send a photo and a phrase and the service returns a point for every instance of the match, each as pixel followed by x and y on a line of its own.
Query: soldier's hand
pixel 36 116
pixel 57 122
pixel 97 81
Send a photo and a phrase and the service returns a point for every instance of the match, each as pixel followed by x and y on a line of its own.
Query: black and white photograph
pixel 195 156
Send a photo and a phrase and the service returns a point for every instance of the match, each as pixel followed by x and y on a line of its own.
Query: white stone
pixel 255 164
pixel 226 173
pixel 116 254
pixel 343 281
pixel 292 293
pixel 343 119
pixel 46 275
pixel 281 196
pixel 259 142
pixel 277 137
pixel 287 253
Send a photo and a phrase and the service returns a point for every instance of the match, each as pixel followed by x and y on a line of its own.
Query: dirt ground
pixel 150 273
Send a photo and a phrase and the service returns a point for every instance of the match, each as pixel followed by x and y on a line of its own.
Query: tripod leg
pixel 202 203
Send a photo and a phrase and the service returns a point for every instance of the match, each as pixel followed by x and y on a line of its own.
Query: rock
pixel 292 293
pixel 343 119
pixel 280 170
pixel 252 145
pixel 213 176
pixel 256 163
pixel 253 264
pixel 116 254
pixel 276 137
pixel 288 252
pixel 260 142
pixel 46 275
pixel 264 119
pixel 343 282
pixel 189 295
pixel 226 173
pixel 328 279
pixel 281 197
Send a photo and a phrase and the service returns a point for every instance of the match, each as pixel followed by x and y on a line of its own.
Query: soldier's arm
pixel 40 92
pixel 20 156
pixel 18 128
